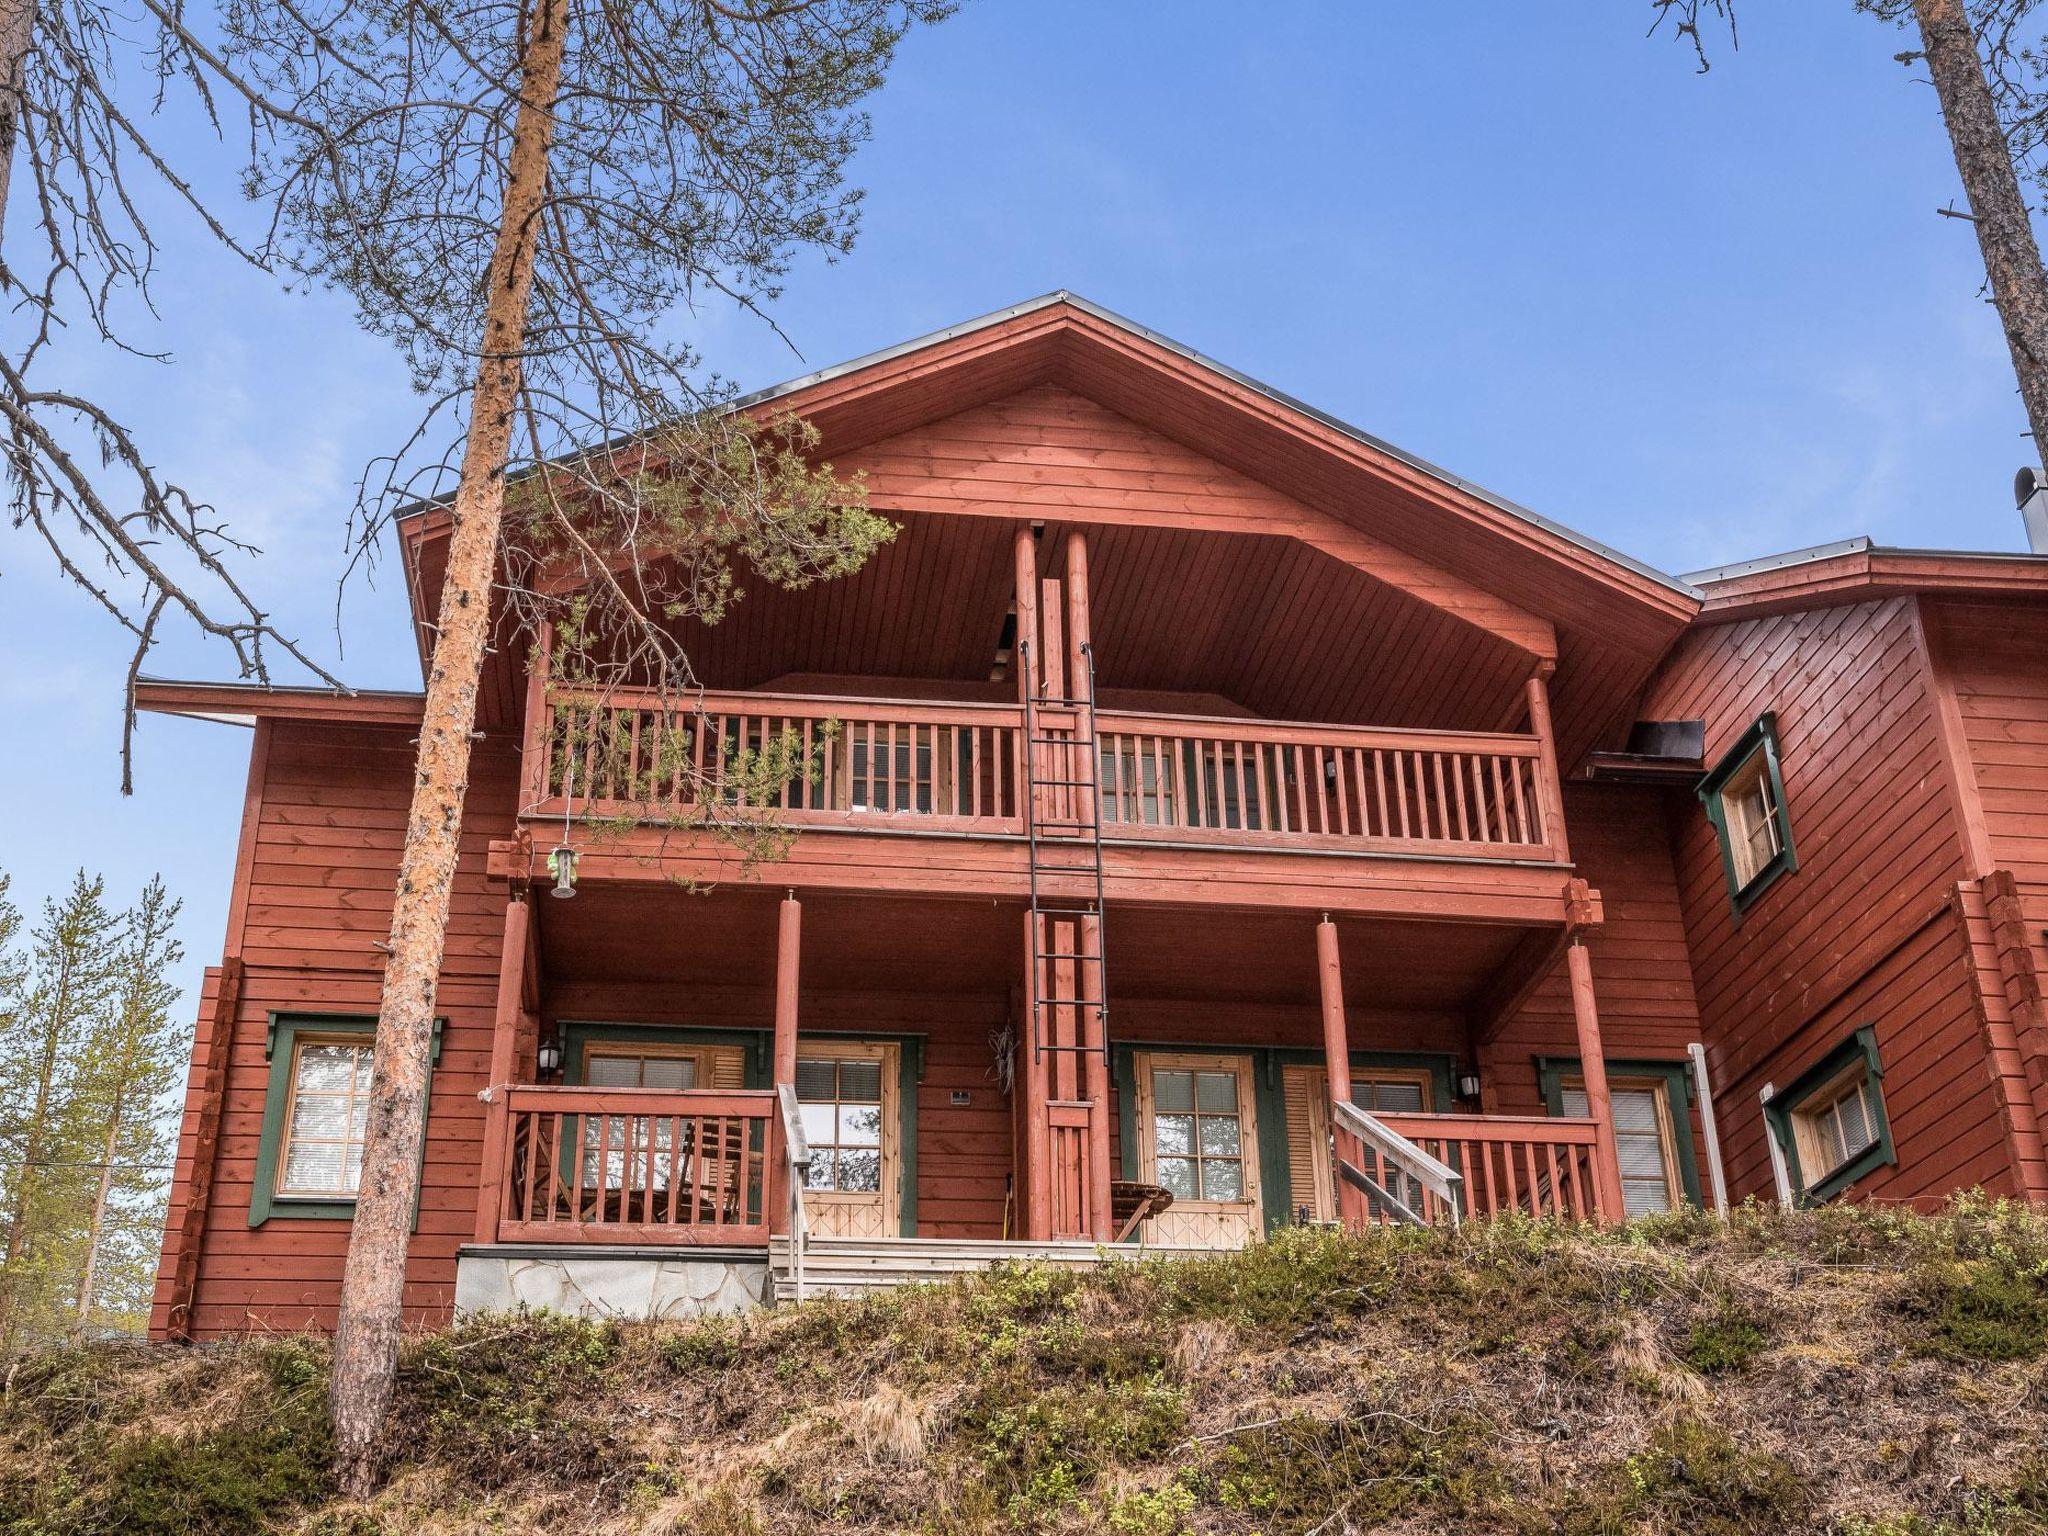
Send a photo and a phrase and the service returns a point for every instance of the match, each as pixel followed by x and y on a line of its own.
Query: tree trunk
pixel 2012 258
pixel 373 1283
pixel 90 1275
pixel 17 36
pixel 34 1148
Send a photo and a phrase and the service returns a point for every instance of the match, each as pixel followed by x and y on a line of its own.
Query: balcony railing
pixel 1534 1165
pixel 944 767
pixel 621 1165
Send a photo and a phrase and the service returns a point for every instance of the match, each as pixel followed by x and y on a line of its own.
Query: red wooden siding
pixel 319 874
pixel 1642 973
pixel 1863 931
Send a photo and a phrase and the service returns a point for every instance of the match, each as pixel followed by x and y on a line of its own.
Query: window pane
pixel 1173 1092
pixel 1223 1181
pixel 1856 1131
pixel 668 1072
pixel 321 1115
pixel 1644 1197
pixel 860 1081
pixel 315 1165
pixel 1178 1175
pixel 1573 1102
pixel 1173 1135
pixel 860 1125
pixel 1641 1157
pixel 327 1068
pixel 819 1121
pixel 1634 1109
pixel 860 1170
pixel 1216 1092
pixel 820 1176
pixel 1220 1136
pixel 816 1079
pixel 1392 1097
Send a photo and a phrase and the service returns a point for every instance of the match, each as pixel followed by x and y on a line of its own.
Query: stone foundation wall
pixel 649 1284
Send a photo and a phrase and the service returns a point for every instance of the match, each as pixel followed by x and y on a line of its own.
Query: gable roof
pixel 1613 616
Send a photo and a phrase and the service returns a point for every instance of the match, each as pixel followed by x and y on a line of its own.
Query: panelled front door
pixel 847 1090
pixel 1197 1137
pixel 1311 1156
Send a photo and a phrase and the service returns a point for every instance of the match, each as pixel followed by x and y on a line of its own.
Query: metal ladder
pixel 1075 851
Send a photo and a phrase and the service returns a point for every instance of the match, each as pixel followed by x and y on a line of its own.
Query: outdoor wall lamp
pixel 1468 1086
pixel 547 1059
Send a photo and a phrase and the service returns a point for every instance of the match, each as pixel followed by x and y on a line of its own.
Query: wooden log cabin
pixel 1225 820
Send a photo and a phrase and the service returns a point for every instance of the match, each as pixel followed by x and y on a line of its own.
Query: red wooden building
pixel 1216 803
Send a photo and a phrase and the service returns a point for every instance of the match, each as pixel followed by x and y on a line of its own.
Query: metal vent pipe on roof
pixel 2031 492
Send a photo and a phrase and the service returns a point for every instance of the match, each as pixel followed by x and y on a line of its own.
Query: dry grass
pixel 1871 1374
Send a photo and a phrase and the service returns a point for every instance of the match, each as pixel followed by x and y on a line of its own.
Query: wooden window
pixel 841 1103
pixel 325 1116
pixel 1745 799
pixel 1198 1134
pixel 1645 1141
pixel 1830 1122
pixel 309 1154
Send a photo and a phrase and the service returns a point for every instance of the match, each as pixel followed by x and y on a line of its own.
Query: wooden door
pixel 847 1093
pixel 1311 1155
pixel 1198 1136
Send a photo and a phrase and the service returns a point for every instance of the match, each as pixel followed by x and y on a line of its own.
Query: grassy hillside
pixel 1837 1371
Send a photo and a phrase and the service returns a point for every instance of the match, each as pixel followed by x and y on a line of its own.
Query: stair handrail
pixel 797 1152
pixel 1439 1178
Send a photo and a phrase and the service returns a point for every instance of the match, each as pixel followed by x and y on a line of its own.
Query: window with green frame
pixel 1830 1121
pixel 310 1156
pixel 1744 797
pixel 1652 1111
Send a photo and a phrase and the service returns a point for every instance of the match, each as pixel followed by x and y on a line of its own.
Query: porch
pixel 839 1091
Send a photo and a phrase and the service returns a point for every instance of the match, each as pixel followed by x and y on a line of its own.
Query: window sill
pixel 1876 1155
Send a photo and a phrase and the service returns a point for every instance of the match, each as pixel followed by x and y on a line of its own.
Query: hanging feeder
pixel 562 866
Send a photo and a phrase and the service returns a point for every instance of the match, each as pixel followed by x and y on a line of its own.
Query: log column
pixel 1549 792
pixel 1029 662
pixel 512 977
pixel 1095 1033
pixel 1351 1207
pixel 788 951
pixel 1593 1069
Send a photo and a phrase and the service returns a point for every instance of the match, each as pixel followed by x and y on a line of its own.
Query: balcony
pixel 933 767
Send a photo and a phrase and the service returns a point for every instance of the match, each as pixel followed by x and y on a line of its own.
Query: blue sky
pixel 1700 318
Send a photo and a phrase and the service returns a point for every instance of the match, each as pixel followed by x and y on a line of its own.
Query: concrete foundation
pixel 642 1283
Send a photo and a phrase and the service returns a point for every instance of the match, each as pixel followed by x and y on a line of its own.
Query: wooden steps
pixel 840 1266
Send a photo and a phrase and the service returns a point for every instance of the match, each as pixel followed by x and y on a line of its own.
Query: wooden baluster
pixel 1338 758
pixel 1401 791
pixel 1458 790
pixel 1443 800
pixel 1486 1168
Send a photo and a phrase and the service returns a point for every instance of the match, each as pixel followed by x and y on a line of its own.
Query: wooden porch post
pixel 1337 1064
pixel 788 946
pixel 1036 1174
pixel 504 1061
pixel 1095 1032
pixel 1029 662
pixel 1593 1069
pixel 1549 792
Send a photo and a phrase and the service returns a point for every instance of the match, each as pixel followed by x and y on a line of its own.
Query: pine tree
pixel 129 1066
pixel 47 1196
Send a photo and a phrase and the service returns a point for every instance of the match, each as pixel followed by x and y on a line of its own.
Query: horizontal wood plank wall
pixel 329 830
pixel 1267 601
pixel 1642 972
pixel 1864 931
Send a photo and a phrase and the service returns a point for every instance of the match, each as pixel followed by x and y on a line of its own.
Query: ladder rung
pixel 1063 783
pixel 1068 1002
pixel 1061 954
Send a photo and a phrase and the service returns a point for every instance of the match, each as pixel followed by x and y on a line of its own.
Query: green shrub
pixel 1981 1310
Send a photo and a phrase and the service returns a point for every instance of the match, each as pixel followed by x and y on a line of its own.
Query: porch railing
pixel 627 1165
pixel 944 767
pixel 1251 781
pixel 1535 1165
